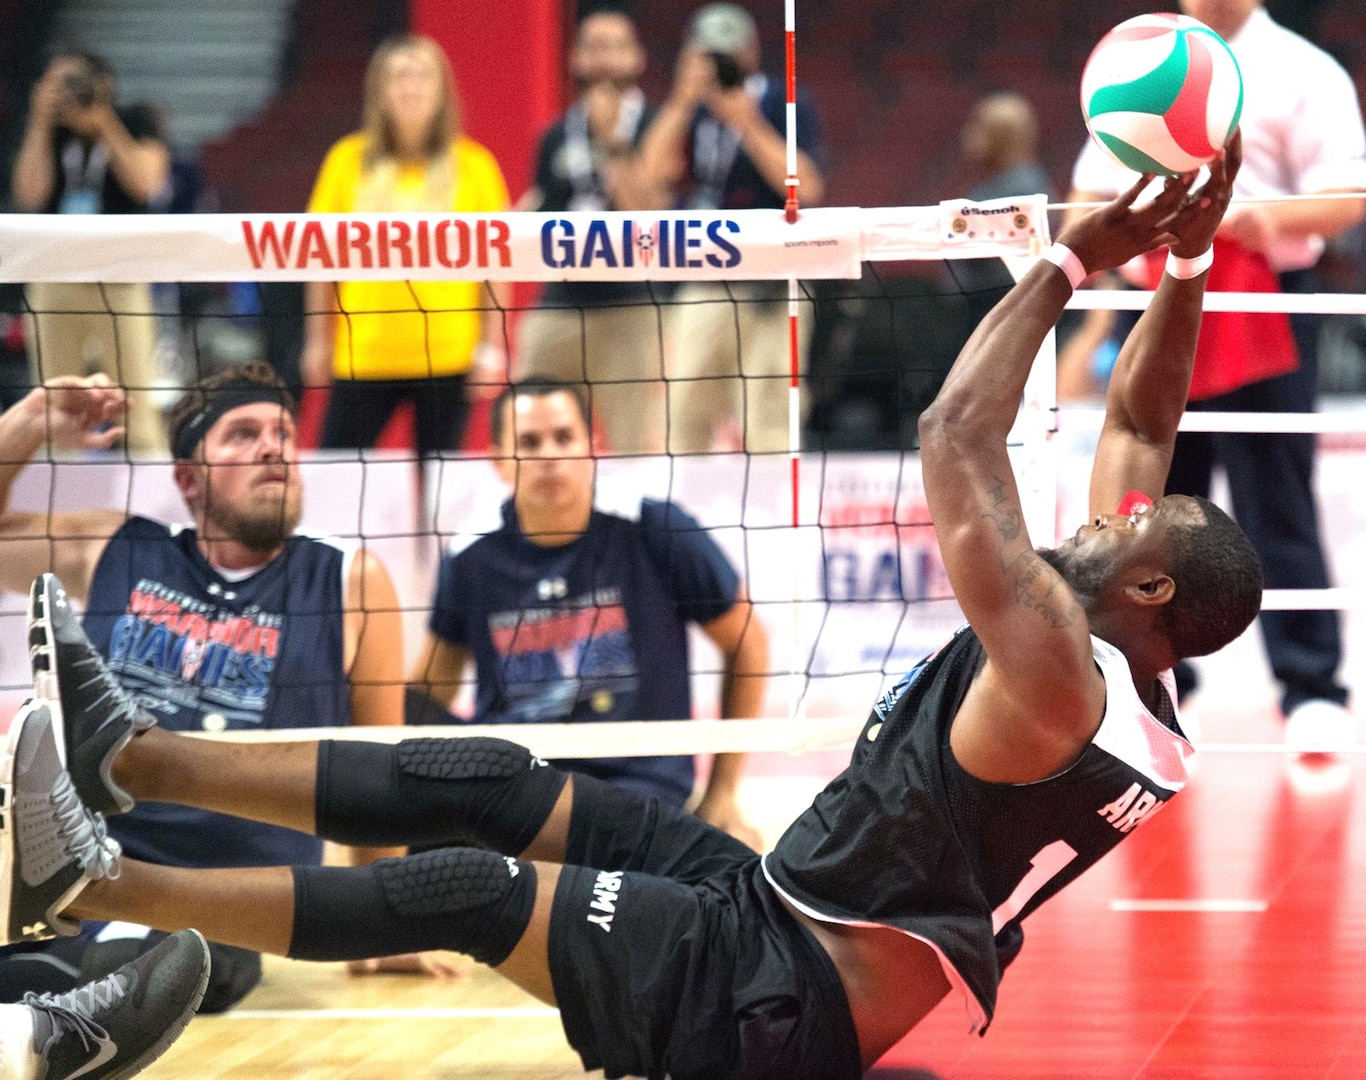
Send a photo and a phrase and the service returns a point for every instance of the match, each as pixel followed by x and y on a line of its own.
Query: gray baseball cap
pixel 722 28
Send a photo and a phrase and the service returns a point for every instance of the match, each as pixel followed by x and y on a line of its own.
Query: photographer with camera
pixel 82 154
pixel 718 141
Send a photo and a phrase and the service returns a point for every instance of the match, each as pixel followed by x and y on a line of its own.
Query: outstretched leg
pixel 493 908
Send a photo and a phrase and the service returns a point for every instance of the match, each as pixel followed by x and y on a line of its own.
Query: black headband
pixel 218 401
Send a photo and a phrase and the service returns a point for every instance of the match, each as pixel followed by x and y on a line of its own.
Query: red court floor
pixel 1248 962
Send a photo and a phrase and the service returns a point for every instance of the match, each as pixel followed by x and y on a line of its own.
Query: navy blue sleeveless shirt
pixel 203 653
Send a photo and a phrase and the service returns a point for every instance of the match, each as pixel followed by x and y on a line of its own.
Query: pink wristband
pixel 1185 269
pixel 1065 259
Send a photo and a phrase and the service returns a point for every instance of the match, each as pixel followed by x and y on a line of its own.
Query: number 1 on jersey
pixel 1048 863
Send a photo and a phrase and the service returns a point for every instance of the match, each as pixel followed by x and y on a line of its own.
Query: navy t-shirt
pixel 202 652
pixel 594 630
pixel 723 176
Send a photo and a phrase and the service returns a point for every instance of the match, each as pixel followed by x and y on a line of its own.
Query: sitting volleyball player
pixel 1001 768
pixel 572 614
pixel 236 621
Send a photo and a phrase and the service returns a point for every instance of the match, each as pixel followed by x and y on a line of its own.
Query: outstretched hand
pixel 1178 217
pixel 1198 220
pixel 79 413
pixel 1114 234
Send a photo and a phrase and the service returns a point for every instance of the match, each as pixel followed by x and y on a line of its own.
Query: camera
pixel 78 87
pixel 728 73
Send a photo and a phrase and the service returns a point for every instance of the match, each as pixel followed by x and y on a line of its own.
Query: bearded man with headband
pixel 234 621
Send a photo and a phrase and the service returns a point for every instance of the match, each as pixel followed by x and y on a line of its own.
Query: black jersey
pixel 906 838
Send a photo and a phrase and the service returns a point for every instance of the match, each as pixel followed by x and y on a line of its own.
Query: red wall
pixel 508 57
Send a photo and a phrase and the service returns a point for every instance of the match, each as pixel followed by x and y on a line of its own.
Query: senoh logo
pixel 453 244
pixel 675 243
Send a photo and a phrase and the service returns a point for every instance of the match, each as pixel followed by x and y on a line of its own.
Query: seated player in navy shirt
pixel 574 615
pixel 236 621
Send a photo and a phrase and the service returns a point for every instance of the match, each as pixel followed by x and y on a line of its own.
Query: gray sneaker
pixel 50 845
pixel 117 1026
pixel 95 716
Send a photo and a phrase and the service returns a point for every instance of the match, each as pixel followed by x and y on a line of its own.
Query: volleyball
pixel 1162 93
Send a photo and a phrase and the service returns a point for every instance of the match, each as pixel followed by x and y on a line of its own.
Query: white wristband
pixel 1065 259
pixel 1185 269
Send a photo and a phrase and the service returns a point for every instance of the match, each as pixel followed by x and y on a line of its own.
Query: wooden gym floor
pixel 1226 939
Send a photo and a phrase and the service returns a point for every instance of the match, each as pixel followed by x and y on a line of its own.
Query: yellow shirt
pixel 401 329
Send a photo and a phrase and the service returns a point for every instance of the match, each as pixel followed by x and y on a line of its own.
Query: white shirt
pixel 1302 130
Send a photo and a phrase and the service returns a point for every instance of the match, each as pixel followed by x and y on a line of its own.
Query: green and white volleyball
pixel 1162 93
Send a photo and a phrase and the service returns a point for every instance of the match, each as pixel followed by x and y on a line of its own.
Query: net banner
pixel 739 245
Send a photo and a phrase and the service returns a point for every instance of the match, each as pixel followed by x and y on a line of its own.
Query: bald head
pixel 1002 132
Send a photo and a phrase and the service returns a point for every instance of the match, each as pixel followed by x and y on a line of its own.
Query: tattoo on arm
pixel 1005 516
pixel 1036 588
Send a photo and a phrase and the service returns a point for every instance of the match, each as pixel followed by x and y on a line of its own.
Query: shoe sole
pixel 42 655
pixel 9 854
pixel 172 1033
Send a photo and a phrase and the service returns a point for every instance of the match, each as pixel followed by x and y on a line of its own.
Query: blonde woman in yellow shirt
pixel 380 343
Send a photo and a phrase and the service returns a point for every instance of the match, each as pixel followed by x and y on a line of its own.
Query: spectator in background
pixel 380 343
pixel 1000 146
pixel 1302 134
pixel 607 335
pixel 82 154
pixel 1000 143
pixel 571 614
pixel 719 142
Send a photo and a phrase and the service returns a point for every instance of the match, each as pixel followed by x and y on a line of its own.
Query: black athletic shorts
pixel 695 980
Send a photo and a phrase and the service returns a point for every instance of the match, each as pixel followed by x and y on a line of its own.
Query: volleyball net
pixel 827 526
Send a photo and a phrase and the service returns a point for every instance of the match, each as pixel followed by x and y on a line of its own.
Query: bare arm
pixel 1039 697
pixel 142 166
pixel 662 163
pixel 744 646
pixel 320 328
pixel 34 173
pixel 440 671
pixel 1147 392
pixel 374 658
pixel 69 412
pixel 766 146
pixel 372 629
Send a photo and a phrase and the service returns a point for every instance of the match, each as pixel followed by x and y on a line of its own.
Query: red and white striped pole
pixel 796 676
pixel 794 404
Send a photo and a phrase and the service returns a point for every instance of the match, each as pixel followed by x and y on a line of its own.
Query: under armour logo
pixel 513 868
pixel 36 929
pixel 552 588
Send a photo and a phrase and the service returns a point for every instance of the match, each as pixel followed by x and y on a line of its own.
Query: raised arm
pixel 1148 387
pixel 70 412
pixel 1033 628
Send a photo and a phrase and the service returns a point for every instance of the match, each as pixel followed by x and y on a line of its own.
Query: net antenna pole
pixel 796 679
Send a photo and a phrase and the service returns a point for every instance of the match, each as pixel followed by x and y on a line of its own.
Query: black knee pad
pixel 464 759
pixel 472 901
pixel 485 899
pixel 434 793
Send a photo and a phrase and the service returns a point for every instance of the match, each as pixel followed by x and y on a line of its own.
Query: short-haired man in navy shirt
pixel 572 615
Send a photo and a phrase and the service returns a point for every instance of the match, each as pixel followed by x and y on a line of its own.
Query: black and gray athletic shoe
pixel 94 715
pixel 50 845
pixel 117 1026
